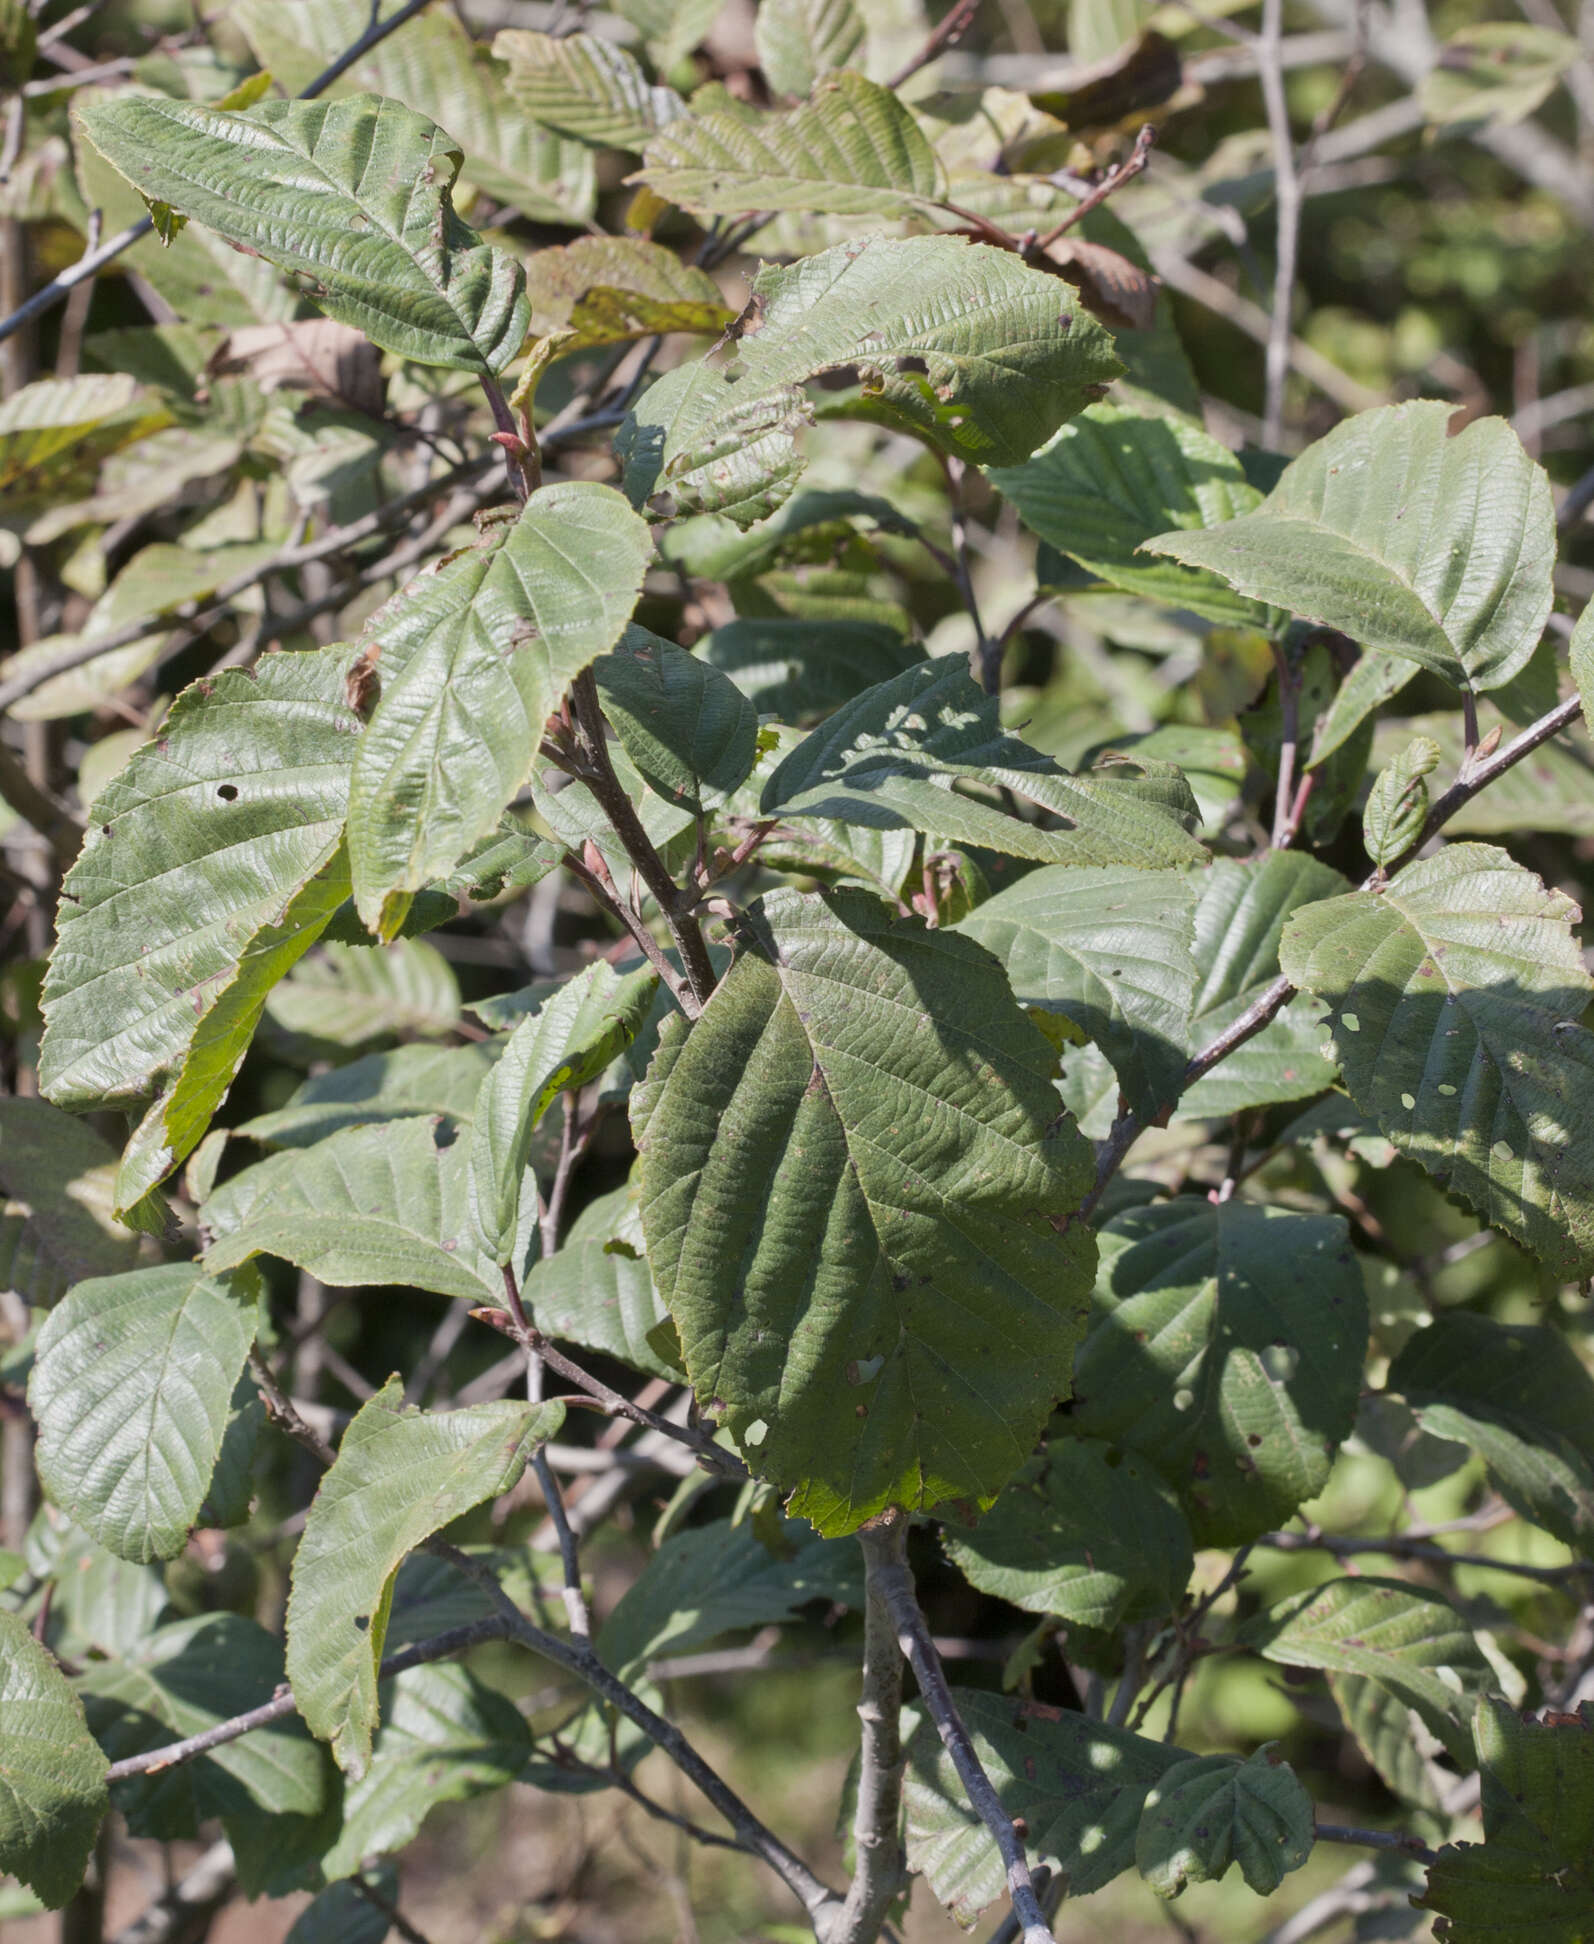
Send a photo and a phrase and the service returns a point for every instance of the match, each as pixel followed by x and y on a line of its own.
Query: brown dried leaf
pixel 316 354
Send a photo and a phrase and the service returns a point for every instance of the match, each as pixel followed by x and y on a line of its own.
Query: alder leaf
pixel 471 659
pixel 1397 803
pixel 1413 1643
pixel 690 731
pixel 346 995
pixel 609 289
pixel 400 1476
pixel 1086 1532
pixel 52 1773
pixel 56 1225
pixel 1530 1881
pixel 1518 1395
pixel 443 1080
pixel 570 1040
pixel 597 1292
pixel 798 670
pixel 1109 949
pixel 853 150
pixel 824 1309
pixel 585 87
pixel 1454 997
pixel 1211 1811
pixel 889 758
pixel 1226 1349
pixel 1110 479
pixel 1410 542
pixel 956 342
pixel 1078 1785
pixel 1582 653
pixel 201 850
pixel 131 1389
pixel 352 194
pixel 801 41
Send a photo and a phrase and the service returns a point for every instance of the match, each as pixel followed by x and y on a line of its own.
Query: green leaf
pixel 103 1604
pixel 1086 1533
pixel 1410 542
pixel 373 1204
pixel 1211 1811
pixel 1582 653
pixel 341 1915
pixel 670 29
pixel 382 1087
pixel 1227 1349
pixel 42 425
pixel 1392 1737
pixel 1109 949
pixel 799 670
pixel 853 150
pixel 132 1382
pixel 432 65
pixel 1519 1396
pixel 715 1578
pixel 1397 804
pixel 936 1172
pixel 445 1737
pixel 1530 1881
pixel 890 757
pixel 348 994
pixel 569 1041
pixel 1454 998
pixel 56 1225
pixel 986 374
pixel 1111 479
pixel 585 87
pixel 1412 1643
pixel 473 657
pixel 609 289
pixel 352 194
pixel 1078 1785
pixel 400 1476
pixel 1494 72
pixel 270 1788
pixel 801 41
pixel 1241 910
pixel 199 849
pixel 689 729
pixel 597 1290
pixel 52 1775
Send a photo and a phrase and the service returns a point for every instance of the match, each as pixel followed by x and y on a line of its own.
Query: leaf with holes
pixel 585 87
pixel 1085 1532
pixel 1413 1643
pixel 52 1773
pixel 1212 1811
pixel 853 150
pixel 1454 997
pixel 471 659
pixel 132 1385
pixel 400 1476
pixel 1227 1349
pixel 823 1308
pixel 1410 542
pixel 956 342
pixel 1109 949
pixel 1078 1785
pixel 1111 479
pixel 890 758
pixel 352 194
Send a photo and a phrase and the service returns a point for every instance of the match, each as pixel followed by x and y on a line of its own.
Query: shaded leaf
pixel 381 1087
pixel 1110 479
pixel 132 1385
pixel 1227 1349
pixel 1211 1811
pixel 354 194
pixel 1413 1643
pixel 52 1775
pixel 41 424
pixel 56 1225
pixel 401 1475
pixel 689 729
pixel 1078 1785
pixel 585 87
pixel 1454 997
pixel 607 289
pixel 600 1296
pixel 348 994
pixel 799 670
pixel 471 659
pixel 936 1171
pixel 1109 949
pixel 853 150
pixel 957 342
pixel 1086 1533
pixel 1410 542
pixel 341 1915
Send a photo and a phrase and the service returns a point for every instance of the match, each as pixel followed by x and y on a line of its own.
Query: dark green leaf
pixel 798 670
pixel 599 1295
pixel 691 732
pixel 56 1225
pixel 52 1775
pixel 1211 1811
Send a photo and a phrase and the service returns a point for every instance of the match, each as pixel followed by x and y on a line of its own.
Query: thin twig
pixel 411 1933
pixel 1390 1839
pixel 1111 182
pixel 875 1824
pixel 1400 1546
pixel 894 1584
pixel 1287 226
pixel 946 34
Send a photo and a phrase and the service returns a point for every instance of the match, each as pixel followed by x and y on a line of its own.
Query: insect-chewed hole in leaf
pixel 1280 1361
pixel 228 792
